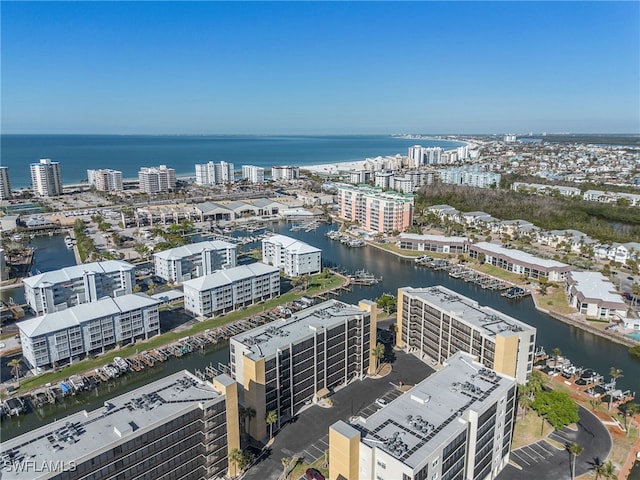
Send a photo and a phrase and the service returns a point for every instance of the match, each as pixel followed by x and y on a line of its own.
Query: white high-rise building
pixel 285 173
pixel 419 155
pixel 214 173
pixel 293 256
pixel 253 174
pixel 105 180
pixel 46 178
pixel 5 186
pixel 157 179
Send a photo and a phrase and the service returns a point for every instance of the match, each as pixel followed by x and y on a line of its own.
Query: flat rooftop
pixel 415 425
pixel 519 256
pixel 66 274
pixel 485 319
pixel 265 340
pixel 84 434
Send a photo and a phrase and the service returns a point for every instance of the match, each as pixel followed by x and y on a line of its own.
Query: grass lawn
pixel 317 285
pixel 301 467
pixel 529 429
pixel 556 301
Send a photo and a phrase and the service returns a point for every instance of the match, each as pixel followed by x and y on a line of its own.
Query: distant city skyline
pixel 320 67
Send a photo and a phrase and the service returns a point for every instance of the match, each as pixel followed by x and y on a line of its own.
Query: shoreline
pixel 619 339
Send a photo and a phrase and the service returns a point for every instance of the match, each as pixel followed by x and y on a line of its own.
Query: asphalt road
pixel 308 436
pixel 541 460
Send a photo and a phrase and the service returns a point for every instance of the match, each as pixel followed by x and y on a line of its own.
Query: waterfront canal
pixel 583 348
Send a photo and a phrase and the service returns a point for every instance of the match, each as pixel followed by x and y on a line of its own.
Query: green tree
pixel 557 408
pixel 607 470
pixel 16 367
pixel 615 373
pixel 537 382
pixel 248 413
pixel 387 302
pixel 556 353
pixel 237 459
pixel 271 418
pixel 378 353
pixel 575 449
pixel 628 409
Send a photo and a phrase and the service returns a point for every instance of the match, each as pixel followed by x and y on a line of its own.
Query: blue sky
pixel 320 67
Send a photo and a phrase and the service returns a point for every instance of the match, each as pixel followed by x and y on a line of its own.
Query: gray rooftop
pixel 74 316
pixel 291 244
pixel 85 434
pixel 485 319
pixel 432 238
pixel 77 271
pixel 179 253
pixel 519 256
pixel 229 275
pixel 594 285
pixel 416 424
pixel 265 340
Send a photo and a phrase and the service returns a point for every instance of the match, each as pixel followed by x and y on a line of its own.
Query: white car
pixel 381 402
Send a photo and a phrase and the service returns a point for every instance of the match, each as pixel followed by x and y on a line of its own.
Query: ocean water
pixel 127 153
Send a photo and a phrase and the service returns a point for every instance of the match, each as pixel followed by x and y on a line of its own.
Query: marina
pixel 210 349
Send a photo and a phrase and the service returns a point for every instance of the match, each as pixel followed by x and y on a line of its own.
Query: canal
pixel 583 348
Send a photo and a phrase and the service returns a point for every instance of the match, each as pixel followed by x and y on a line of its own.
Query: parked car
pixel 313 474
pixel 381 402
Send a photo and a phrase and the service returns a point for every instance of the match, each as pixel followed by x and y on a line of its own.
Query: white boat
pixel 122 364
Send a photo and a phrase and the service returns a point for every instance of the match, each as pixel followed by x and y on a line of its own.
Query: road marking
pixel 520 458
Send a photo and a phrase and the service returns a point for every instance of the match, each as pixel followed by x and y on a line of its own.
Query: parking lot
pixel 308 436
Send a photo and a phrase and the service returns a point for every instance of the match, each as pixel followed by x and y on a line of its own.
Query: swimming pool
pixel 635 335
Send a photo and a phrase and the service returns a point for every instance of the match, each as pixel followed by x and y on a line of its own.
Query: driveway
pixel 543 460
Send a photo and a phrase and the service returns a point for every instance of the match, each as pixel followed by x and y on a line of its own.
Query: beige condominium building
pixel 435 322
pixel 178 427
pixel 284 365
pixel 454 425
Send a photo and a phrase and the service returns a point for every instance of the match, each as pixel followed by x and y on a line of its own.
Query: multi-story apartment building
pixel 46 178
pixel 472 176
pixel 419 155
pixel 593 295
pixel 227 290
pixel 432 243
pixel 5 186
pixel 178 427
pixel 194 260
pixel 383 179
pixel 157 179
pixel 105 180
pixel 285 173
pixel 519 262
pixel 545 189
pixel 456 424
pixel 375 210
pixel 437 322
pixel 253 174
pixel 293 256
pixel 284 365
pixel 90 328
pixel 631 199
pixel 59 289
pixel 214 173
pixel 359 176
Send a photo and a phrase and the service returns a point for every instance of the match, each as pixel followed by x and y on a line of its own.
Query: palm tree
pixel 249 413
pixel 271 418
pixel 629 409
pixel 525 403
pixel 556 353
pixel 285 465
pixel 236 458
pixel 607 470
pixel 378 352
pixel 16 367
pixel 615 374
pixel 575 449
pixel 536 383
